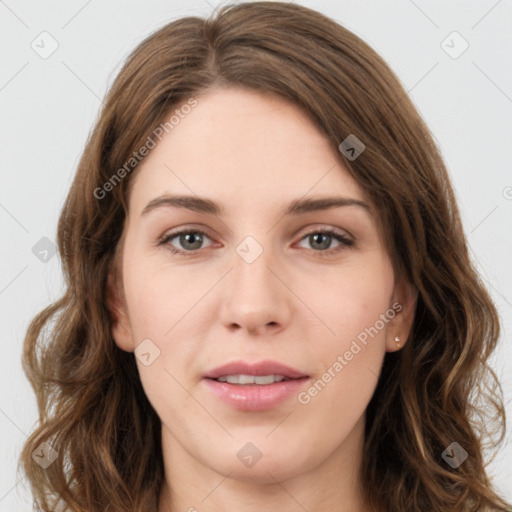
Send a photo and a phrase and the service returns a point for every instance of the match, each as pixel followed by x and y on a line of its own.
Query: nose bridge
pixel 252 265
pixel 254 297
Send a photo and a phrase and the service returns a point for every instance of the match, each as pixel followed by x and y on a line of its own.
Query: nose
pixel 255 298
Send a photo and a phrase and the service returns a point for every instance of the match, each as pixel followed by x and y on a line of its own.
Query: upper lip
pixel 260 368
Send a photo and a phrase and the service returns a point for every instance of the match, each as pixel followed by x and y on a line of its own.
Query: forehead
pixel 245 148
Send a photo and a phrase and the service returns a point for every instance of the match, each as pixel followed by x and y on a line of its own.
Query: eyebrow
pixel 295 207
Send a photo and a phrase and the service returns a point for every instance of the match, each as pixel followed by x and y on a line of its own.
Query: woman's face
pixel 262 284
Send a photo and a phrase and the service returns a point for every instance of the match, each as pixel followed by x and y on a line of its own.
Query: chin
pixel 261 473
pixel 263 465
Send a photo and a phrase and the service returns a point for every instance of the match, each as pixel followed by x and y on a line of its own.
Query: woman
pixel 320 344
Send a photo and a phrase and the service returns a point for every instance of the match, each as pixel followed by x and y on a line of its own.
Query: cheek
pixel 160 303
pixel 159 297
pixel 355 306
pixel 165 308
pixel 349 299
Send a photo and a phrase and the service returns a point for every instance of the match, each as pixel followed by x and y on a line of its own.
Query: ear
pixel 121 328
pixel 403 303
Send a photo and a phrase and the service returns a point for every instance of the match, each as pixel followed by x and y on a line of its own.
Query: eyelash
pixel 345 242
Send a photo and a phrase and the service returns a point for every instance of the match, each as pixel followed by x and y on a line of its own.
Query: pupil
pixel 190 239
pixel 326 237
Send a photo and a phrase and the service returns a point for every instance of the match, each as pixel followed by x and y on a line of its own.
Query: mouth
pixel 255 387
pixel 252 380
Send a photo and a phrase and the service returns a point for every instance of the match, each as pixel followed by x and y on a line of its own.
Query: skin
pixel 253 154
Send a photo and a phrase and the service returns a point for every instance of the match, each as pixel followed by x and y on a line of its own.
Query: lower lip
pixel 254 397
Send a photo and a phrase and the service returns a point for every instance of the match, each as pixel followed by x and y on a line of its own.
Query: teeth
pixel 251 379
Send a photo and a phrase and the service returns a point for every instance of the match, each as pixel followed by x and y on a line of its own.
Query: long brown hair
pixel 437 390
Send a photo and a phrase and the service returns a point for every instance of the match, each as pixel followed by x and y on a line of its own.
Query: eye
pixel 321 239
pixel 192 240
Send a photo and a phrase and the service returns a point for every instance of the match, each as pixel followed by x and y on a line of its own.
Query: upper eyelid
pixel 308 230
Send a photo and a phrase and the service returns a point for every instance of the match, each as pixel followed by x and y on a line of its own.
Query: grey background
pixel 48 107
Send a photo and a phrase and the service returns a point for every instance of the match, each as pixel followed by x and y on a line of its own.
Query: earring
pixel 397 340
